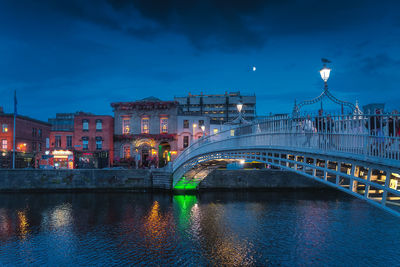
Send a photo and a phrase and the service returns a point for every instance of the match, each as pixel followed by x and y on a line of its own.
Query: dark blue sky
pixel 64 56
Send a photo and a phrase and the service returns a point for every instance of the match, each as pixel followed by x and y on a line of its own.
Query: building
pixel 145 132
pixel 93 140
pixel 220 108
pixel 371 108
pixel 81 140
pixel 31 140
pixel 61 150
pixel 189 129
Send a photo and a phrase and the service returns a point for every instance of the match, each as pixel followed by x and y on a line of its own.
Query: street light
pixel 239 106
pixel 194 129
pixel 203 128
pixel 325 71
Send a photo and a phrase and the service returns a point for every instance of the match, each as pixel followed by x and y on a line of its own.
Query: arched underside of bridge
pixel 376 183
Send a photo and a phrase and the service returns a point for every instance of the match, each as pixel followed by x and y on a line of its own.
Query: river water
pixel 253 228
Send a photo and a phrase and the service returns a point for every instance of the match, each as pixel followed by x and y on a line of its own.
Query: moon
pixel 254 68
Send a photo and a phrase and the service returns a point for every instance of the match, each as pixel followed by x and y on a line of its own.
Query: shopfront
pixel 62 159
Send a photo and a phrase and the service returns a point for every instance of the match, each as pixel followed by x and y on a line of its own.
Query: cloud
pixel 376 64
pixel 219 24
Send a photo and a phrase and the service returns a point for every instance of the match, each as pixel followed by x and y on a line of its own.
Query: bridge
pixel 357 154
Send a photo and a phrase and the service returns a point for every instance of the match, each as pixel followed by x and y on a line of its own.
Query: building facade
pixel 93 140
pixel 145 132
pixel 31 140
pixel 190 129
pixel 81 140
pixel 220 108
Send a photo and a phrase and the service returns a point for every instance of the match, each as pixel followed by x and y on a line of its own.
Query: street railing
pixel 373 135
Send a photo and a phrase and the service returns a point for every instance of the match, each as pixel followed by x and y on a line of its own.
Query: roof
pixel 21 117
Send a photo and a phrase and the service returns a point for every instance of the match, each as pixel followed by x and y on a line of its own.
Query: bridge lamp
pixel 241 161
pixel 325 71
pixel 203 128
pixel 239 106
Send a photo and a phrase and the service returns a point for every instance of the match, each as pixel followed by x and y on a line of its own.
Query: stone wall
pixel 73 180
pixel 257 179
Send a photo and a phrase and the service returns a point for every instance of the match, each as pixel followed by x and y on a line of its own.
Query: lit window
pixel 85 125
pixel 127 151
pixel 99 125
pixel 99 143
pixel 125 126
pixel 164 125
pixel 4 144
pixel 186 124
pixel 232 132
pixel 215 131
pixel 5 128
pixel 145 125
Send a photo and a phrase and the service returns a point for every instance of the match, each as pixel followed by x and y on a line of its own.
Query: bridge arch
pixel 350 167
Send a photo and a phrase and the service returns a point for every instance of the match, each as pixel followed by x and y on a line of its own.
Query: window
pixel 5 128
pixel 127 151
pixel 125 126
pixel 69 141
pixel 40 133
pixel 215 131
pixel 85 143
pixel 163 125
pixel 232 132
pixel 185 141
pixel 99 125
pixel 40 146
pixel 145 125
pixel 34 132
pixel 201 122
pixel 4 144
pixel 99 143
pixel 58 141
pixel 85 125
pixel 186 124
pixel 34 146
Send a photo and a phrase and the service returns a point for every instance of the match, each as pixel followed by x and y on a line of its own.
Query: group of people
pixel 383 132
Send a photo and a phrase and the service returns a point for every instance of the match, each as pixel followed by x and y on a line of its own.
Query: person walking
pixel 308 130
pixel 319 125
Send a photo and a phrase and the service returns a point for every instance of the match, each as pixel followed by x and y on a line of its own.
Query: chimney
pixel 1 110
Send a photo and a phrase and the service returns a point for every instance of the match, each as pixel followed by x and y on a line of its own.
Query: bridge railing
pixel 373 135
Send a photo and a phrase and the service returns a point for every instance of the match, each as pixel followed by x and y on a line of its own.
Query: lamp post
pixel 239 107
pixel 14 130
pixel 203 128
pixel 325 71
pixel 194 129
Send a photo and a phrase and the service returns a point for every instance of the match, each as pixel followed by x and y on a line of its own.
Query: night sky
pixel 65 56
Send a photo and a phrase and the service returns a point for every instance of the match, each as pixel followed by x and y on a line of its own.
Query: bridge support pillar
pixel 367 186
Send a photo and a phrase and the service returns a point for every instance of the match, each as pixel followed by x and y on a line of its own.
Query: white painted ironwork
pixel 356 154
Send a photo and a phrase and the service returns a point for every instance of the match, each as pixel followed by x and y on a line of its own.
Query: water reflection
pixel 232 229
pixel 23 224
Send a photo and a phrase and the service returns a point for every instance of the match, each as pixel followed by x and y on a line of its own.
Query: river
pixel 213 228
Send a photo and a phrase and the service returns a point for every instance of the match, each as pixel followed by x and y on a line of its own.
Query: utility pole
pixel 14 129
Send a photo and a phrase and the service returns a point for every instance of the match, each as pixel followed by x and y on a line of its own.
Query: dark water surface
pixel 260 229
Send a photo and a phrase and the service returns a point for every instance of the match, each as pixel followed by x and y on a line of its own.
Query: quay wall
pixel 145 180
pixel 258 179
pixel 84 179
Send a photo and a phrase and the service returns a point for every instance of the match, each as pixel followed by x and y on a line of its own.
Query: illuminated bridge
pixel 357 154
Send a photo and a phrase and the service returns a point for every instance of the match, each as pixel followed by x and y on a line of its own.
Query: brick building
pixel 81 140
pixel 93 140
pixel 31 140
